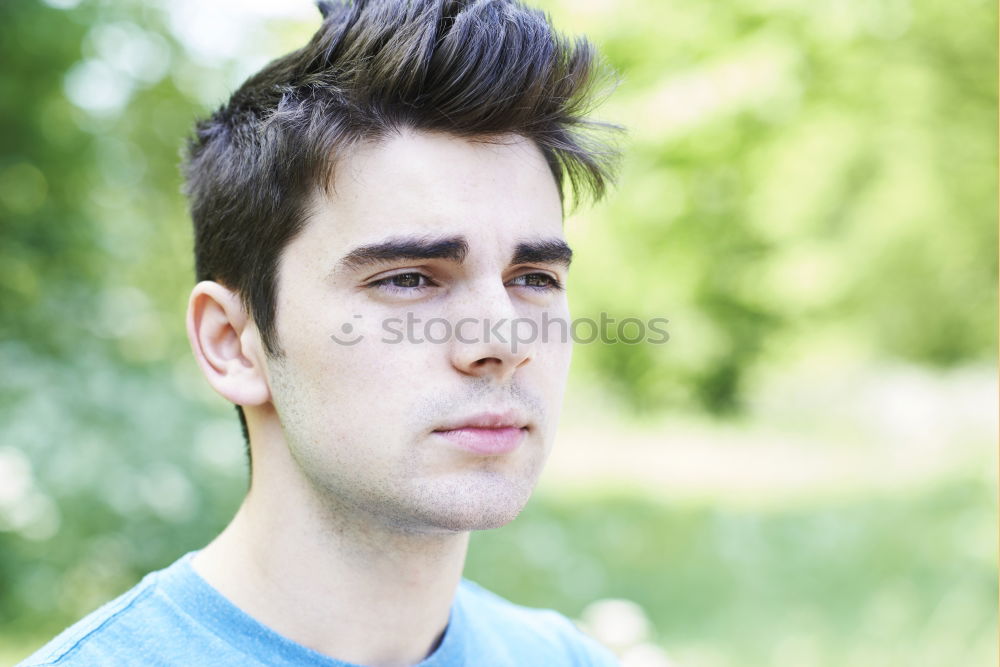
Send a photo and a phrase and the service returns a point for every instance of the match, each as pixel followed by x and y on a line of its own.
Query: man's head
pixel 447 128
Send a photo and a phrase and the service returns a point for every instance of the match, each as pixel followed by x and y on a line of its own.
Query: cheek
pixel 375 386
pixel 558 357
pixel 555 339
pixel 345 414
pixel 551 367
pixel 340 388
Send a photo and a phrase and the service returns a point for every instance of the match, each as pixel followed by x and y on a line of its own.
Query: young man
pixel 378 225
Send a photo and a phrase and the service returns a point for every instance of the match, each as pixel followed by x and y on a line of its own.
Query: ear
pixel 226 344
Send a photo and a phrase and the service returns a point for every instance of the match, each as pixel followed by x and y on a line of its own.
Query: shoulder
pixel 528 635
pixel 144 625
pixel 85 642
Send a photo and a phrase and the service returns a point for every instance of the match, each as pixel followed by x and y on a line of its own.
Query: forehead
pixel 423 183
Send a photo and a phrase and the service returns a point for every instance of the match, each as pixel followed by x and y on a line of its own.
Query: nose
pixel 491 339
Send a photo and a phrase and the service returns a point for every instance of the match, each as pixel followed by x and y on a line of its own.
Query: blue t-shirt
pixel 174 617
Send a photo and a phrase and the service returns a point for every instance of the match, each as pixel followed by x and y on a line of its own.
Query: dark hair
pixel 471 68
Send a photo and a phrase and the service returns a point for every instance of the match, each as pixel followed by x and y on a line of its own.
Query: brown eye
pixel 402 283
pixel 539 281
pixel 405 280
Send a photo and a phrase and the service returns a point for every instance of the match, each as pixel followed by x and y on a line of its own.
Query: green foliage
pixel 795 168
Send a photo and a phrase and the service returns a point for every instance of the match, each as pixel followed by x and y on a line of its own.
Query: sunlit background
pixel 805 474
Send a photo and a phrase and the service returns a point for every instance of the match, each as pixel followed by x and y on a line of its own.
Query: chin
pixel 480 504
pixel 463 523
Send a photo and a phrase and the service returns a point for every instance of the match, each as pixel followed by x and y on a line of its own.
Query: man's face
pixel 362 414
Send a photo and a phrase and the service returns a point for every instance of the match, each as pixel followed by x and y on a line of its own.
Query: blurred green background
pixel 805 474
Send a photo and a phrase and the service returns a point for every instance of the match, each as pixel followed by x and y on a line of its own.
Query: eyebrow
pixel 451 248
pixel 543 251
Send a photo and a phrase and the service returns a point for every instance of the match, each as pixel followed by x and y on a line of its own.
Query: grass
pixel 869 581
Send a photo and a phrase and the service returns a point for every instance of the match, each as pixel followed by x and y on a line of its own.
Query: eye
pixel 402 283
pixel 538 281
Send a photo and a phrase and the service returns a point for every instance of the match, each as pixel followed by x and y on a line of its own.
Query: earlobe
pixel 225 344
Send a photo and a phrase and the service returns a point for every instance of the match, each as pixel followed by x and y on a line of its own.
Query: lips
pixel 487 433
pixel 488 420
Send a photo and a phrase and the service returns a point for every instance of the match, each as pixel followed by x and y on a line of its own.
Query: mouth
pixel 487 434
pixel 488 420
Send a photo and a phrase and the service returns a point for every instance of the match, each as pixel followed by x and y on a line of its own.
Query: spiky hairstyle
pixel 471 68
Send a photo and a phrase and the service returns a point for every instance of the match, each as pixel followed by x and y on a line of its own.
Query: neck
pixel 334 579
